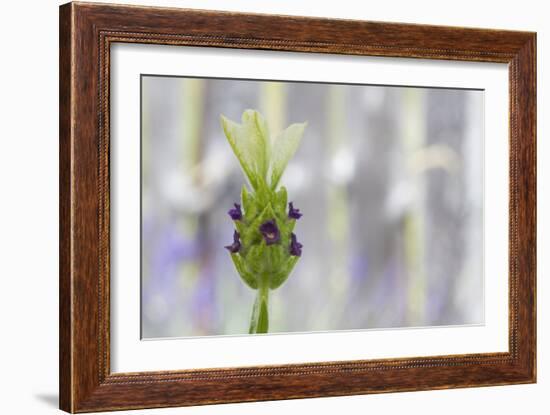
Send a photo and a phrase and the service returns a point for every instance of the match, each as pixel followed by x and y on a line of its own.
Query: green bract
pixel 265 249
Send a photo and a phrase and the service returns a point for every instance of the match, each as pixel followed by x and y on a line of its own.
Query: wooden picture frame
pixel 86 33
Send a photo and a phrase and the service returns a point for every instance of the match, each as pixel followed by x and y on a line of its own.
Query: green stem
pixel 259 322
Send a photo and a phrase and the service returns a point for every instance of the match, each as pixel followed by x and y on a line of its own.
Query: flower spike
pixel 264 249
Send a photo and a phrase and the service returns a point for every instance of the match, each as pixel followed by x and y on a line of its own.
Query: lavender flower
pixel 270 232
pixel 295 246
pixel 293 213
pixel 263 262
pixel 236 245
pixel 235 213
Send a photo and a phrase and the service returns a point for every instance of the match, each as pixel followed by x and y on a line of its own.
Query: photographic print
pixel 280 206
pixel 260 207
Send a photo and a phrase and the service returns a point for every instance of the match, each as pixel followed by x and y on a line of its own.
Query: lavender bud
pixel 293 213
pixel 270 232
pixel 295 246
pixel 235 213
pixel 236 245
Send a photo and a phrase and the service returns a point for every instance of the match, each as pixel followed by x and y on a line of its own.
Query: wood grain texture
pixel 65 247
pixel 86 33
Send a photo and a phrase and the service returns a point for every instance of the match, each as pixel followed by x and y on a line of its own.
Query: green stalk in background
pixel 264 249
pixel 413 135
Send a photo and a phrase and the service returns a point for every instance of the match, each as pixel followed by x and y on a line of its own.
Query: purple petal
pixel 235 213
pixel 236 245
pixel 293 213
pixel 270 232
pixel 295 246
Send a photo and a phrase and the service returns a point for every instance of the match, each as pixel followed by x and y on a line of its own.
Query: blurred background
pixel 390 182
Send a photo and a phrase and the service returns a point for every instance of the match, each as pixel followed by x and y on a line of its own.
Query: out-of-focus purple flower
pixel 236 245
pixel 235 213
pixel 293 213
pixel 295 246
pixel 358 267
pixel 270 232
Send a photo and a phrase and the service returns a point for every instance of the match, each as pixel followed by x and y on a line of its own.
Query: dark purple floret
pixel 235 213
pixel 270 232
pixel 295 246
pixel 236 245
pixel 293 213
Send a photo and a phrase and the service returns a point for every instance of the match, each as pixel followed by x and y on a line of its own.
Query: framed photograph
pixel 258 207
